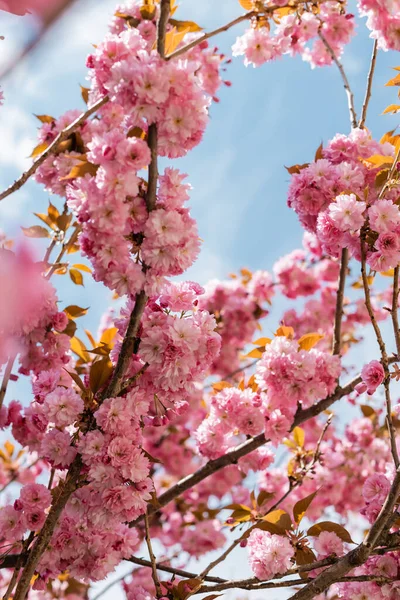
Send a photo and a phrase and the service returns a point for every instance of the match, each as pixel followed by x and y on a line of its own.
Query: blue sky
pixel 272 116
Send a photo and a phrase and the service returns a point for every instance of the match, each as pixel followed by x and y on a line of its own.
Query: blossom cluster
pixel 286 376
pixel 237 306
pixel 329 198
pixel 299 34
pixel 383 20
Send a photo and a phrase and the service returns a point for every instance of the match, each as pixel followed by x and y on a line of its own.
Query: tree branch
pixel 63 135
pixel 346 84
pixel 368 91
pixel 337 338
pixel 152 558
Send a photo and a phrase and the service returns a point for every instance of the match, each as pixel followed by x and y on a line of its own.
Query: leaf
pixel 39 149
pixel 220 385
pixel 45 118
pixel 85 94
pixel 53 212
pixel 35 231
pixel 308 341
pixel 137 132
pixel 77 380
pixel 246 4
pixel 100 372
pixel 299 436
pixel 340 531
pixel 392 108
pixel 388 273
pixel 241 516
pixel 394 81
pixel 319 153
pixel 295 169
pixel 380 160
pixel 263 497
pixel 279 517
pixel 79 348
pixel 300 508
pixel 150 457
pixel 283 331
pixel 9 447
pixel 76 276
pixel 236 506
pixel 83 268
pixel 255 353
pixel 80 170
pixel 304 556
pixel 263 341
pixel 108 336
pixel 64 221
pixel 381 177
pixel 73 311
pixel 100 351
pixel 148 10
pixel 70 329
pixel 188 25
pixel 91 338
pixel 368 411
pixel 46 219
pixel 173 39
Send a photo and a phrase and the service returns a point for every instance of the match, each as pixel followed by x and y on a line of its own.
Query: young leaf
pixel 319 153
pixel 189 25
pixel 80 170
pixel 304 556
pixel 392 108
pixel 280 518
pixel 83 268
pixel 79 348
pixel 309 340
pixel 39 149
pixel 85 94
pixel 76 276
pixel 301 507
pixel 263 341
pixel 283 331
pixel 35 231
pixel 77 380
pixel 45 118
pixel 100 371
pixel 299 437
pixel 220 385
pixel 340 531
pixel 256 353
pixel 108 336
pixel 73 311
pixel 295 169
pixel 246 4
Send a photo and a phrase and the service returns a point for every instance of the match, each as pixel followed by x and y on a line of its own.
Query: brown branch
pixel 165 9
pixel 337 338
pixel 126 352
pixel 6 378
pixel 232 457
pixel 368 91
pixel 346 84
pixel 46 532
pixel 160 567
pixel 395 309
pixel 355 557
pixel 63 135
pixel 382 347
pixel 152 558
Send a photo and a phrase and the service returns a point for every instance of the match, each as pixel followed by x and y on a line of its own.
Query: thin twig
pixel 6 378
pixel 152 558
pixel 368 91
pixel 109 586
pixel 337 337
pixel 346 84
pixel 17 474
pixel 174 571
pixel 382 347
pixel 395 308
pixel 233 373
pixel 63 135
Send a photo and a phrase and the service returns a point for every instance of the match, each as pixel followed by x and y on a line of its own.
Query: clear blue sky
pixel 272 116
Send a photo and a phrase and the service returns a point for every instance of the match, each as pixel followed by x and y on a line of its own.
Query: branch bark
pixel 368 91
pixel 63 135
pixel 337 331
